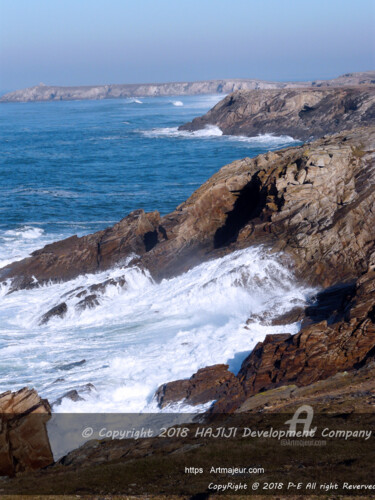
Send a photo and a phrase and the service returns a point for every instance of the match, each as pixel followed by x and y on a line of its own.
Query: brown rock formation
pixel 345 340
pixel 208 384
pixel 24 443
pixel 315 203
pixel 66 259
pixel 317 351
pixel 300 113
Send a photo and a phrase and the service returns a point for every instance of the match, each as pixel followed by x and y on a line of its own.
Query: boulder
pixel 208 384
pixel 24 443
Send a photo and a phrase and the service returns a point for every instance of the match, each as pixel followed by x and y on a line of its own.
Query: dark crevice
pixel 98 254
pixel 249 204
pixel 369 356
pixel 371 315
pixel 163 232
pixel 150 239
pixel 332 304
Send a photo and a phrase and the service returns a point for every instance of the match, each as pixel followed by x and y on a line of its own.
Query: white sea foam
pixel 207 132
pixel 15 244
pixel 133 100
pixel 212 131
pixel 177 103
pixel 144 334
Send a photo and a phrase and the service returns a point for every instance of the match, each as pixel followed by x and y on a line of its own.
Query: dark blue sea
pixel 76 167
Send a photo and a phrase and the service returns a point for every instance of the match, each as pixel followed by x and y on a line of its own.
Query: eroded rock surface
pixel 299 113
pixel 317 351
pixel 24 443
pixel 208 384
pixel 315 203
pixel 345 340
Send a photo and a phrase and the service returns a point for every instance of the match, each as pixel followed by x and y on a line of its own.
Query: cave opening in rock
pixel 249 204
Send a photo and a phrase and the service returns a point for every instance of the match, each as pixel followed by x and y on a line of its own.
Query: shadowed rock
pixel 57 311
pixel 319 351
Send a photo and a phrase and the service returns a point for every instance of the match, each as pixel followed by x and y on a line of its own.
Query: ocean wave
pixel 263 139
pixel 177 103
pixel 208 132
pixel 55 193
pixel 133 100
pixel 16 244
pixel 144 333
pixel 212 131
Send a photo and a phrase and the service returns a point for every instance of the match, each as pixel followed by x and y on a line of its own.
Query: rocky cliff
pixel 315 203
pixel 300 113
pixel 43 92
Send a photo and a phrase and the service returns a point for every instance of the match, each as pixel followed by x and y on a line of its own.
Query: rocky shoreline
pixel 305 202
pixel 300 113
pixel 43 92
pixel 315 205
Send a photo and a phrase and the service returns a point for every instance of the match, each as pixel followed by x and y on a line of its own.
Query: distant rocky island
pixel 44 92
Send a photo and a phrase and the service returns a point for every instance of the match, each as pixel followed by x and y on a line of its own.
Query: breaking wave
pixel 212 131
pixel 142 333
pixel 207 132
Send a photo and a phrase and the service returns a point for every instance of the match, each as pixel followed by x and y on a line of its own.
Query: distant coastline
pixel 43 92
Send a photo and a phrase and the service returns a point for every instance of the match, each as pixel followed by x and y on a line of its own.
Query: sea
pixel 76 167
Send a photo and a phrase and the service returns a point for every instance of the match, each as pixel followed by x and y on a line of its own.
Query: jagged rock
pixel 315 203
pixel 292 316
pixel 88 302
pixel 345 340
pixel 208 384
pixel 66 259
pixel 59 310
pixel 24 443
pixel 69 366
pixel 317 351
pixel 72 395
pixel 300 113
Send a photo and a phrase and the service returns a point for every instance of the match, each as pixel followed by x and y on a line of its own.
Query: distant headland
pixel 44 92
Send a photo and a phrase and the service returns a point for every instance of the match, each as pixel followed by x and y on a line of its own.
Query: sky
pixel 86 42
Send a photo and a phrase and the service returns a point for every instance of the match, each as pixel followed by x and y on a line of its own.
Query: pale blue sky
pixel 77 42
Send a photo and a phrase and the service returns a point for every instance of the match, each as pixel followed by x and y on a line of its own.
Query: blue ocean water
pixel 76 167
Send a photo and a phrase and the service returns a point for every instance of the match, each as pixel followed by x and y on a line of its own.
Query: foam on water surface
pixel 143 334
pixel 77 167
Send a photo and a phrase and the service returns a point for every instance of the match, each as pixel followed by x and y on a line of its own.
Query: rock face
pixel 317 351
pixel 345 340
pixel 43 92
pixel 300 113
pixel 24 443
pixel 315 203
pixel 135 234
pixel 208 384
